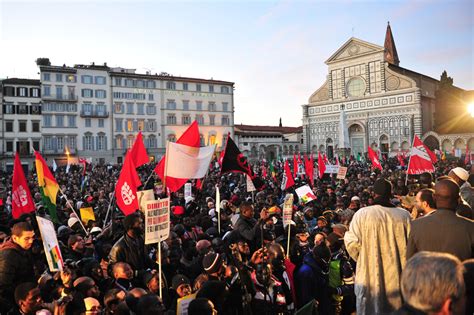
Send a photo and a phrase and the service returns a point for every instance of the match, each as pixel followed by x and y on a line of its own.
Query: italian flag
pixel 47 185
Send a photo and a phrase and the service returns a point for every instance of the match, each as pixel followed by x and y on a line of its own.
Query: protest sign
pixel 143 197
pixel 187 190
pixel 341 174
pixel 305 194
pixel 250 185
pixel 331 169
pixel 183 304
pixel 287 209
pixel 157 220
pixel 50 244
pixel 87 214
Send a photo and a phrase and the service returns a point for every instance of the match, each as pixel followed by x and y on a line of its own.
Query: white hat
pixel 355 198
pixel 72 221
pixel 461 173
pixel 96 229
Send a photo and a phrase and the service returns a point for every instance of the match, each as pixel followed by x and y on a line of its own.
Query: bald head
pixel 446 194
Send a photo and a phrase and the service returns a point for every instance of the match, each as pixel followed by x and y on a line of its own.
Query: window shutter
pixel 135 125
pixel 105 143
pixel 124 144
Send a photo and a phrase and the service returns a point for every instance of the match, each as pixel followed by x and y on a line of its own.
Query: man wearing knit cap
pixel 460 176
pixel 213 265
pixel 377 232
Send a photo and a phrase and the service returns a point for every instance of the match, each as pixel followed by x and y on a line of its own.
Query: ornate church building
pixel 385 105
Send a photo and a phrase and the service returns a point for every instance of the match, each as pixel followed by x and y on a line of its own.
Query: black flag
pixel 234 161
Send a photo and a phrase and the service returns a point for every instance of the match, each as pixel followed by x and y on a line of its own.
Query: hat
pixel 382 187
pixel 96 229
pixel 64 231
pixel 179 280
pixel 147 277
pixel 355 198
pixel 461 173
pixel 322 218
pixel 212 262
pixel 178 210
pixel 202 245
pixel 188 199
pixel 71 221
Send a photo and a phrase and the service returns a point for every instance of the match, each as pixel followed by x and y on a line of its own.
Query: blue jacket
pixel 312 282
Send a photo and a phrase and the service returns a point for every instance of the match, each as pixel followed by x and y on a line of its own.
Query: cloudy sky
pixel 274 51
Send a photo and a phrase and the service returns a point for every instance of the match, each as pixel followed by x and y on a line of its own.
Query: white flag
pixel 55 166
pixel 183 161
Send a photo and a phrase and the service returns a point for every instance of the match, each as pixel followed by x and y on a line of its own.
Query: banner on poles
pixel 183 304
pixel 305 194
pixel 187 190
pixel 157 220
pixel 287 209
pixel 87 214
pixel 50 244
pixel 341 174
pixel 250 185
pixel 143 197
pixel 331 169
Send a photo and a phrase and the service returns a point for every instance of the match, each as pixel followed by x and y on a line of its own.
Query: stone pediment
pixel 396 81
pixel 321 94
pixel 354 48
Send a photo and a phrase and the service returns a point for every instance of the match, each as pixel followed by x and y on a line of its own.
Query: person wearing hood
pixel 312 279
pixel 302 246
pixel 16 263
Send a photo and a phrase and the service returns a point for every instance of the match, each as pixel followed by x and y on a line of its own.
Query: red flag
pixel 325 159
pixel 138 152
pixel 321 165
pixel 420 159
pixel 126 187
pixel 309 169
pixel 295 166
pixel 288 180
pixel 467 158
pixel 199 183
pixel 264 171
pixel 84 165
pixel 337 160
pixel 191 138
pixel 400 160
pixel 375 159
pixel 21 196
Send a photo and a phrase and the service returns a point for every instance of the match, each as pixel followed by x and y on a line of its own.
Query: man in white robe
pixel 377 241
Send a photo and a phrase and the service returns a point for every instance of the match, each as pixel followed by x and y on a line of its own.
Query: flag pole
pixel 288 243
pixel 108 210
pixel 166 167
pixel 409 160
pixel 159 267
pixel 70 206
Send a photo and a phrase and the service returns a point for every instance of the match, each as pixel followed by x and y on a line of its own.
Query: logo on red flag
pixel 126 188
pixel 21 196
pixel 421 158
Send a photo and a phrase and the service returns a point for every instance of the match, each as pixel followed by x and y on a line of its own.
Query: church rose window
pixel 356 87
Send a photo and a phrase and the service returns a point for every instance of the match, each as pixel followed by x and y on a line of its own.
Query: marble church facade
pixel 385 105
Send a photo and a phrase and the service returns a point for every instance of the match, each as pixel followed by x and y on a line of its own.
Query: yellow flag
pixel 87 214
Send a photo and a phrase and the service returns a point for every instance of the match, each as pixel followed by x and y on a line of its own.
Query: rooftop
pixel 18 81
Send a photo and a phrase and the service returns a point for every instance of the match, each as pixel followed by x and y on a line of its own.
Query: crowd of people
pixel 373 243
